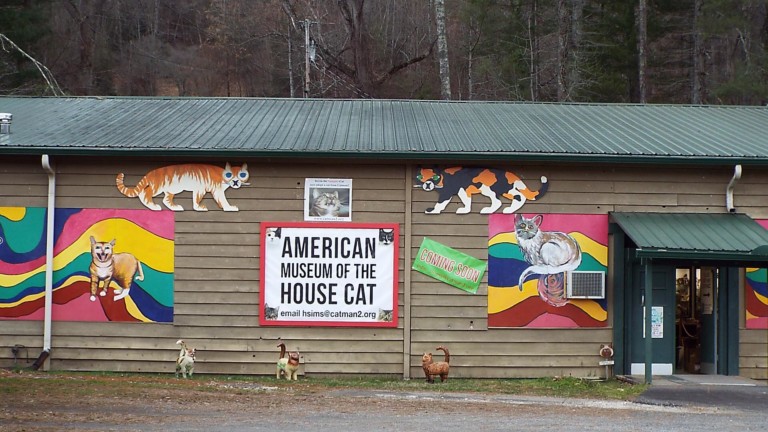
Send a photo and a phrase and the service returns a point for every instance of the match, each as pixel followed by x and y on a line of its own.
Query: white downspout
pixel 48 258
pixel 729 190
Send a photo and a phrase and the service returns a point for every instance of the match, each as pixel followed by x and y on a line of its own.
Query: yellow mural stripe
pixel 13 214
pixel 502 298
pixel 750 316
pixel 132 309
pixel 508 237
pixel 596 250
pixel 592 308
pixel 128 237
pixel 29 298
pixel 761 298
pixel 70 280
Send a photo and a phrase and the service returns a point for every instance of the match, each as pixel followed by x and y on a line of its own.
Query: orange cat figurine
pixel 196 178
pixel 432 368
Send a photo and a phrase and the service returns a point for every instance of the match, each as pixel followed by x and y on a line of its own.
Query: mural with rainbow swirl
pixel 542 302
pixel 144 235
pixel 756 294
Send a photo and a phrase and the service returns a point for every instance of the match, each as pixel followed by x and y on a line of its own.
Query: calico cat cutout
pixel 549 253
pixel 106 266
pixel 386 236
pixel 196 178
pixel 432 368
pixel 325 204
pixel 465 182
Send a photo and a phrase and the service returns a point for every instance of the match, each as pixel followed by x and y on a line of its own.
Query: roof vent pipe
pixel 5 123
pixel 729 190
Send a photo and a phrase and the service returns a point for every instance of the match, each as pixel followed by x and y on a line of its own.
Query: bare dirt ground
pixel 38 402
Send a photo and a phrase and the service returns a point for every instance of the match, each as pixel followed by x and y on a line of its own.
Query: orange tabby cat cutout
pixel 196 178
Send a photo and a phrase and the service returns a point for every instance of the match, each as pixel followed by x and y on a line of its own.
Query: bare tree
pixel 642 46
pixel 442 50
pixel 353 54
pixel 563 48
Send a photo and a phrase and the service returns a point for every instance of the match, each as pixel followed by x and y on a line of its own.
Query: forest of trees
pixel 633 51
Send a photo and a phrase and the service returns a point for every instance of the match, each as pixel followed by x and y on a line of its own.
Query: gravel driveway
pixel 244 406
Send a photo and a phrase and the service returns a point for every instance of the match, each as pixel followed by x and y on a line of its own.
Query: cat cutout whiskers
pixel 549 253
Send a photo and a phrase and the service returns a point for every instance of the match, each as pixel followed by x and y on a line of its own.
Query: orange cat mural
pixel 196 178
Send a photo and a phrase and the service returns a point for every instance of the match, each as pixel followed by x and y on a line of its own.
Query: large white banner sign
pixel 328 274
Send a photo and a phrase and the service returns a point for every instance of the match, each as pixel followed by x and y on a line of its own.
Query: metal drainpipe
pixel 48 257
pixel 729 190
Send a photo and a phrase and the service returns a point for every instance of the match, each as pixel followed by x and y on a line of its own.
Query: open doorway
pixel 696 320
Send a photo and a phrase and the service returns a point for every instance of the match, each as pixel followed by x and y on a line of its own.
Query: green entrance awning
pixel 728 237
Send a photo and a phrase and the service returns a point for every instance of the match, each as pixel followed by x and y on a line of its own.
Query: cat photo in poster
pixel 328 200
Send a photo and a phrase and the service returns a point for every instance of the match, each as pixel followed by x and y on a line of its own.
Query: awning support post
pixel 648 304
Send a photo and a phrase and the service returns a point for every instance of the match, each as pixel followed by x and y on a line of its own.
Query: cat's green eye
pixel 419 177
pixel 435 177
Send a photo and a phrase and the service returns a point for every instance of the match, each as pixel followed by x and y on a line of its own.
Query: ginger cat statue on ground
pixel 432 368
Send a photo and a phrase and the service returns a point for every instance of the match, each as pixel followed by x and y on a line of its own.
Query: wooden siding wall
pixel 217 270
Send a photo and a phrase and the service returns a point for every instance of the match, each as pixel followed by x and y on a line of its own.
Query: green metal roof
pixel 395 129
pixel 699 236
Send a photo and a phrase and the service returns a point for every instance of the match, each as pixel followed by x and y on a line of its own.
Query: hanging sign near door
pixel 657 322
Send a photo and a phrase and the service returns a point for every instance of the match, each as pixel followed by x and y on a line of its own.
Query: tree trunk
pixel 442 51
pixel 699 59
pixel 534 50
pixel 575 59
pixel 642 36
pixel 563 32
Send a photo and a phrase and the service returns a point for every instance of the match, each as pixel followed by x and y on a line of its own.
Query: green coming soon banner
pixel 449 265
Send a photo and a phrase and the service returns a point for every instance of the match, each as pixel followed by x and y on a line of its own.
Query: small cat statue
pixel 196 178
pixel 288 366
pixel 325 204
pixel 106 266
pixel 185 364
pixel 548 253
pixel 432 368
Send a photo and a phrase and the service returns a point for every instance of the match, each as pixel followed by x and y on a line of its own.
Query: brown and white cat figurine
pixel 196 178
pixel 185 363
pixel 432 368
pixel 547 252
pixel 289 366
pixel 106 266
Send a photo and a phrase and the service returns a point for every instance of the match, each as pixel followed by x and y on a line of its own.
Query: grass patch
pixel 74 384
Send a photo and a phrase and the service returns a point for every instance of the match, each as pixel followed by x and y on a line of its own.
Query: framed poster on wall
pixel 328 274
pixel 328 199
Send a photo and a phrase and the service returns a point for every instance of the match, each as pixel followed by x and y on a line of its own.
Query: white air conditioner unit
pixel 585 285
